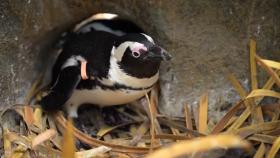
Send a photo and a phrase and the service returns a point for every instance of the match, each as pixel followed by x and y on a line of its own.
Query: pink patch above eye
pixel 137 47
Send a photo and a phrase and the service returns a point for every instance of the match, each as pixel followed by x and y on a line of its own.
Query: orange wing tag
pixel 84 70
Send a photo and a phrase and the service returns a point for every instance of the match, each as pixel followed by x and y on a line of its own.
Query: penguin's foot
pixel 72 110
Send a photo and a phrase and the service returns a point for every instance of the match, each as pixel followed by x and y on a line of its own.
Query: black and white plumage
pixel 123 61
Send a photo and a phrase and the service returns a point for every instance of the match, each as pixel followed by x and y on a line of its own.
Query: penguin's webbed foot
pixel 72 110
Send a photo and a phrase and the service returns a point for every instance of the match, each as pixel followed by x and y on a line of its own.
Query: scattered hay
pixel 140 130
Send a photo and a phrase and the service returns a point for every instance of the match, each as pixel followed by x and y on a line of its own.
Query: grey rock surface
pixel 28 30
pixel 208 40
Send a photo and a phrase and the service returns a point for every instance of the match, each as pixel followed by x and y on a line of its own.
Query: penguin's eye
pixel 136 54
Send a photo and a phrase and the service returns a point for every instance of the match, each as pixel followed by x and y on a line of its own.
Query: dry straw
pixel 244 123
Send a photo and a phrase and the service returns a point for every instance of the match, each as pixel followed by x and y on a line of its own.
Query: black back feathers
pixel 94 43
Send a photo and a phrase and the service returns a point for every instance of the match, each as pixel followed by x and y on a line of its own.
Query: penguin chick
pixel 123 66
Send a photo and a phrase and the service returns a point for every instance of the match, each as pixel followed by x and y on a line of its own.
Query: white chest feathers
pixel 108 97
pixel 101 97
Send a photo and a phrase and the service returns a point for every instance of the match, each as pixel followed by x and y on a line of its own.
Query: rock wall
pixel 207 39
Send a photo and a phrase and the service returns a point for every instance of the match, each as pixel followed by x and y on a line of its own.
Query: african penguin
pixel 122 65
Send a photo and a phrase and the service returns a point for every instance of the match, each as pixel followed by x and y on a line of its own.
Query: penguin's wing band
pixel 67 81
pixel 84 70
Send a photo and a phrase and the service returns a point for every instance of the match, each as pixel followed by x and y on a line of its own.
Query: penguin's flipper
pixel 67 81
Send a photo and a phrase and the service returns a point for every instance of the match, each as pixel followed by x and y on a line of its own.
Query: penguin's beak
pixel 158 54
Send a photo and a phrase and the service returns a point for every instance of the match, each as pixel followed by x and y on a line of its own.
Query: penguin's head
pixel 137 55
